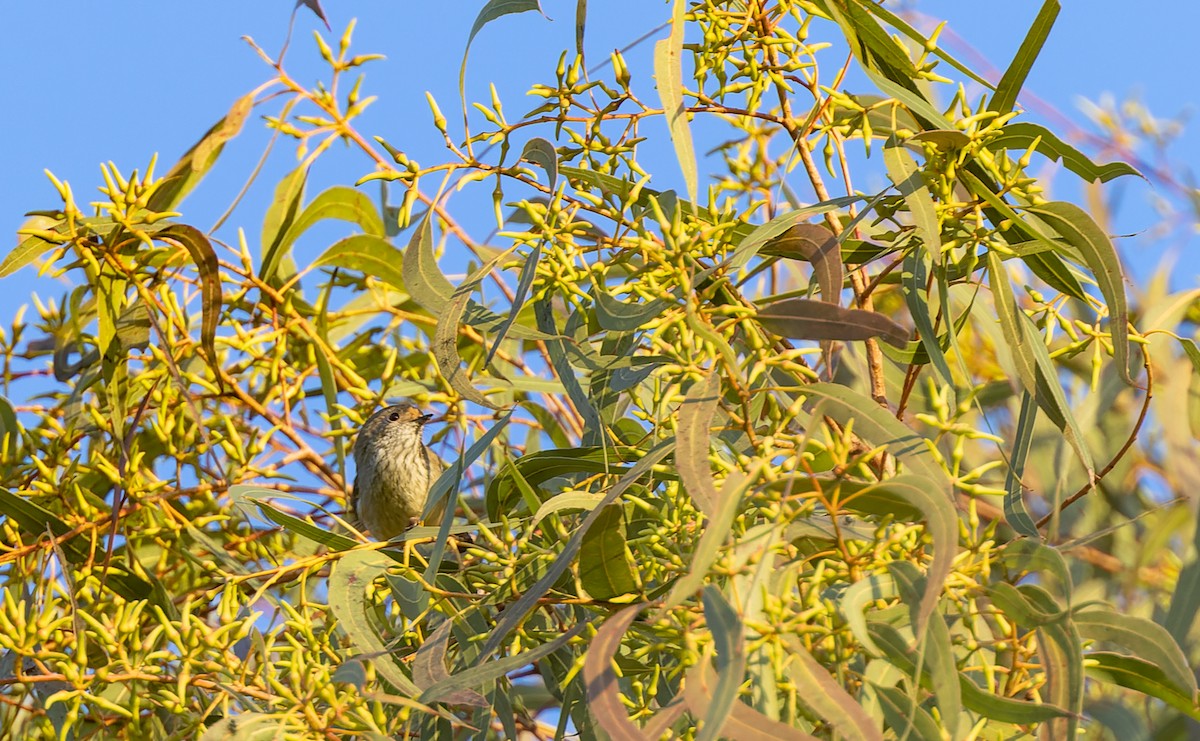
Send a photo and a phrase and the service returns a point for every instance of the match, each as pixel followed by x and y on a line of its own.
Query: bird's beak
pixel 424 418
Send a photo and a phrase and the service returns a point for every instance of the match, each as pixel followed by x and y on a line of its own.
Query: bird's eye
pixel 394 416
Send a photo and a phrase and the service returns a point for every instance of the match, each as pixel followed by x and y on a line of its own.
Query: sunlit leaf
pixel 668 76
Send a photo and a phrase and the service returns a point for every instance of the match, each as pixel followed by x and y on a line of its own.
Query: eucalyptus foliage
pixel 773 456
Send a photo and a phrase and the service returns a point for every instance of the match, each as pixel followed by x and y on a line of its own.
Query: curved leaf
pixel 668 75
pixel 691 452
pixel 803 319
pixel 604 570
pixel 368 254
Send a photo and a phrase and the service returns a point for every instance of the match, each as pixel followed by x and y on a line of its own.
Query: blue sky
pixel 91 82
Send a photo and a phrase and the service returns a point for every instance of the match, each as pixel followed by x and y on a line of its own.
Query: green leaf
pixel 1014 77
pixel 905 716
pixel 941 522
pixel 342 203
pixel 25 253
pixel 804 319
pixel 367 254
pixel 422 278
pixel 1146 639
pixel 604 570
pixel 209 269
pixel 727 632
pixel 935 651
pixel 198 160
pixel 429 669
pixel 542 153
pixel 826 697
pixel 777 227
pixel 668 75
pixel 623 316
pixel 913 279
pixel 445 338
pixel 37 521
pixel 515 613
pixel 503 492
pixel 1022 135
pixel 278 221
pixel 879 427
pixel 898 23
pixel 975 699
pixel 1075 226
pixel 524 283
pixel 1035 370
pixel 333 541
pixel 1015 513
pixel 716 533
pixel 10 431
pixel 479 675
pixel 348 582
pixel 1142 676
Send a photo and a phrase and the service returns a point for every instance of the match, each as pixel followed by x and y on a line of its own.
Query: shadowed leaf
pixel 802 319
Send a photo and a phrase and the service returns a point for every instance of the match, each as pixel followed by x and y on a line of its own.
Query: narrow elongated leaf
pixel 480 674
pixel 584 500
pixel 25 253
pixel 1075 226
pixel 668 76
pixel 342 203
pixel 716 532
pixel 594 432
pixel 1023 134
pixel 333 541
pixel 904 173
pixel 36 520
pixel 824 696
pixel 367 254
pixel 817 245
pixel 280 215
pixel 445 338
pixel 503 494
pixel 1146 639
pixel 879 427
pixel 1061 651
pixel 348 583
pixel 898 23
pixel 1014 77
pixel 422 278
pixel 205 259
pixel 935 651
pixel 604 570
pixel 1143 676
pixel 197 161
pixel 743 723
pixel 429 668
pixel 516 612
pixel 691 452
pixel 603 693
pixel 1034 367
pixel 1015 513
pixel 728 639
pixel 975 699
pixel 906 717
pixel 524 283
pixel 913 279
pixel 941 521
pixel 623 316
pixel 803 319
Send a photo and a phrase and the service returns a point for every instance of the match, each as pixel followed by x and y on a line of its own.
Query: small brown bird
pixel 395 471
